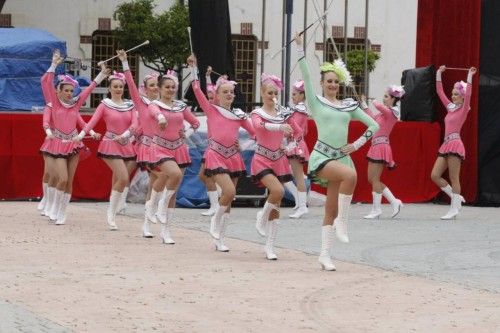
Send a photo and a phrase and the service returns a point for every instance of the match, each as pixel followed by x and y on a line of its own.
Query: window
pixel 104 46
pixel 245 62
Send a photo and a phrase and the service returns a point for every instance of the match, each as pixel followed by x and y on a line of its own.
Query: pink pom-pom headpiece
pixel 222 80
pixel 272 80
pixel 396 91
pixel 172 75
pixel 142 87
pixel 299 85
pixel 461 87
pixel 211 88
pixel 117 76
pixel 66 79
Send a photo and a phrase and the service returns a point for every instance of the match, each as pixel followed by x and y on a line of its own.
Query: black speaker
pixel 419 101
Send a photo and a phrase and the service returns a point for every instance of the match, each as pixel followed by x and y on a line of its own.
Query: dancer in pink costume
pixel 452 152
pixel 117 147
pixel 169 153
pixel 63 144
pixel 380 153
pixel 299 155
pixel 212 192
pixel 223 160
pixel 270 165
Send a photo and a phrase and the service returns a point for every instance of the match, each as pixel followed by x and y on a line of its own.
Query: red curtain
pixel 448 34
pixel 414 146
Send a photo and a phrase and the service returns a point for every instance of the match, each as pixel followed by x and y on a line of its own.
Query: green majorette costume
pixel 332 122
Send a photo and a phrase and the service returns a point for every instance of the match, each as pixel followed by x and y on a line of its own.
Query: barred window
pixel 245 61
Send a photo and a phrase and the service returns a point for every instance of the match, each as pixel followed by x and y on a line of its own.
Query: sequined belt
pixel 452 136
pixel 63 136
pixel 123 141
pixel 145 140
pixel 167 143
pixel 380 139
pixel 272 155
pixel 223 150
pixel 328 151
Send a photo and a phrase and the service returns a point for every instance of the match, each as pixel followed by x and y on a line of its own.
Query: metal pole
pixel 324 32
pixel 283 38
pixel 263 36
pixel 289 12
pixel 305 26
pixel 346 11
pixel 366 50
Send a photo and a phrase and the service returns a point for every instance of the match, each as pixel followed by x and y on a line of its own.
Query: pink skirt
pixel 160 154
pixel 453 147
pixel 262 166
pixel 215 163
pixel 301 152
pixel 381 153
pixel 120 150
pixel 58 148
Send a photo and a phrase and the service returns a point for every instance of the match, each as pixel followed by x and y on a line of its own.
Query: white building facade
pixel 392 28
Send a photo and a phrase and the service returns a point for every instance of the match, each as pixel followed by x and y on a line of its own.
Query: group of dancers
pixel 148 132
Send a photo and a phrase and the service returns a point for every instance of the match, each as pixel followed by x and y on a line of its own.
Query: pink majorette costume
pixel 455 117
pixel 121 120
pixel 270 156
pixel 210 89
pixel 168 144
pixel 222 154
pixel 380 150
pixel 61 119
pixel 300 116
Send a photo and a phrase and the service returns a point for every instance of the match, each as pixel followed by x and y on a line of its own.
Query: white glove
pixel 125 66
pixel 49 134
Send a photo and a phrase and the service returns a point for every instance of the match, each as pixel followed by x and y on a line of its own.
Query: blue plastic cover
pixel 25 54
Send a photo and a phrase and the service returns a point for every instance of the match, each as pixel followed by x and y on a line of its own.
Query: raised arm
pixel 198 93
pixel 47 80
pixel 439 86
pixel 382 108
pixel 132 87
pixel 311 100
pixel 468 90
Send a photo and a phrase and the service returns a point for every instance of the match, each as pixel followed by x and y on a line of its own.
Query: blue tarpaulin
pixel 25 54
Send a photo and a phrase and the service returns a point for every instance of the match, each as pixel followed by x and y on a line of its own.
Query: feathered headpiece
pixel 339 68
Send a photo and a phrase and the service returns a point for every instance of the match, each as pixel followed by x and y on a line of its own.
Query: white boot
pixel 302 207
pixel 41 204
pixel 146 233
pixel 455 206
pixel 448 190
pixel 161 213
pixel 219 244
pixel 271 231
pixel 215 222
pixel 340 222
pixel 114 201
pixel 122 204
pixel 54 210
pixel 61 215
pixel 213 197
pixel 263 217
pixel 396 204
pixel 325 259
pixel 151 206
pixel 376 207
pixel 165 228
pixel 290 186
pixel 51 192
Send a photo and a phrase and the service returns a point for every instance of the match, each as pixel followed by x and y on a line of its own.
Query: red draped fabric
pixel 449 34
pixel 21 166
pixel 414 146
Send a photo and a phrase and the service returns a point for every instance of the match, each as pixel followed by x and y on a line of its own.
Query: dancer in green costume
pixel 330 164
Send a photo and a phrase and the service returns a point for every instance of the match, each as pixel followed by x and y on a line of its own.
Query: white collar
pixel 177 107
pixel 279 119
pixel 234 114
pixel 347 105
pixel 146 100
pixel 300 107
pixel 126 106
pixel 71 104
pixel 396 111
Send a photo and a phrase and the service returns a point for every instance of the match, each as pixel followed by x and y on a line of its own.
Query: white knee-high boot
pixel 340 222
pixel 41 204
pixel 376 207
pixel 302 206
pixel 61 215
pixel 448 190
pixel 325 259
pixel 54 210
pixel 122 204
pixel 219 244
pixel 263 217
pixel 396 204
pixel 213 197
pixel 51 192
pixel 271 231
pixel 215 222
pixel 290 186
pixel 165 228
pixel 151 206
pixel 114 201
pixel 455 206
pixel 161 212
